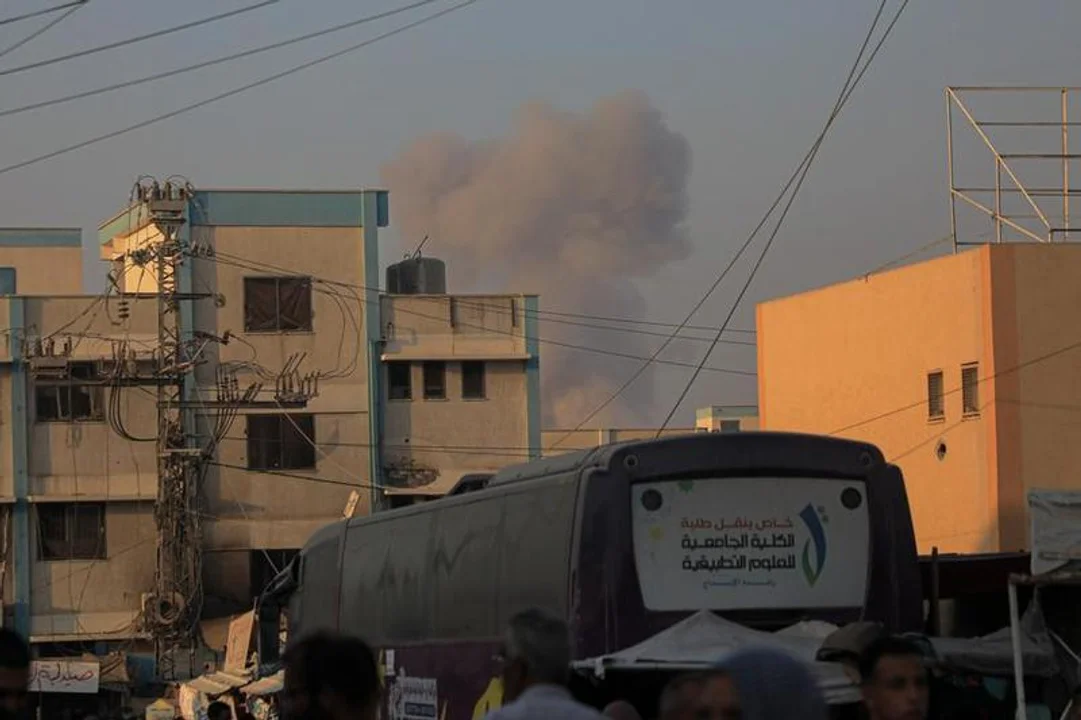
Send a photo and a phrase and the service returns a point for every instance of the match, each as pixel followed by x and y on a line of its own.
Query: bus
pixel 623 541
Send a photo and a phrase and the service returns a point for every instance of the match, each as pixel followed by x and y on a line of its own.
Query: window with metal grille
pixel 277 304
pixel 970 389
pixel 473 380
pixel 936 400
pixel 399 380
pixel 435 380
pixel 71 531
pixel 75 397
pixel 281 442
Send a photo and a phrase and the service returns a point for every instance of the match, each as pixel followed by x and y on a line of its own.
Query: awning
pixel 699 641
pixel 266 686
pixel 217 683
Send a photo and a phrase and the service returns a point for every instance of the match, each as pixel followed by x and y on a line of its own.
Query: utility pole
pixel 172 610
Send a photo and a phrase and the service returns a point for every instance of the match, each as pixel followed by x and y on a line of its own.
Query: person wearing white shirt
pixel 536 663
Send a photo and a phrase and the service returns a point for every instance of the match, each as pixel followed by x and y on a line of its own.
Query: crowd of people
pixel 330 677
pixel 335 677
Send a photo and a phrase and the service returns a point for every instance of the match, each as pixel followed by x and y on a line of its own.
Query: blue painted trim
pixel 9 284
pixel 290 208
pixel 532 376
pixel 20 468
pixel 373 328
pixel 41 237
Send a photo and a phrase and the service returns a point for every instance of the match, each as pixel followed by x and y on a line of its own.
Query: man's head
pixel 536 651
pixel 218 711
pixel 330 677
pixel 621 710
pixel 894 680
pixel 14 674
pixel 677 701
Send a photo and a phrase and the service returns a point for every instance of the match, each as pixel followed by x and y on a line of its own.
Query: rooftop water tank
pixel 417 276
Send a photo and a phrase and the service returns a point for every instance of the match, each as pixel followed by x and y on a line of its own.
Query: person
pixel 330 677
pixel 621 710
pixel 760 684
pixel 14 675
pixel 218 711
pixel 894 680
pixel 677 700
pixel 536 662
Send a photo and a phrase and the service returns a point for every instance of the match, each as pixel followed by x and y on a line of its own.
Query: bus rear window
pixel 751 543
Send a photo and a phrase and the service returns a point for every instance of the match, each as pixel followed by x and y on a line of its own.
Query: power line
pixel 260 266
pixel 235 91
pixel 131 41
pixel 38 13
pixel 713 287
pixel 217 61
pixel 42 30
pixel 296 476
pixel 850 85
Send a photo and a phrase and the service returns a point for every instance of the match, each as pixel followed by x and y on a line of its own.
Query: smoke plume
pixel 573 207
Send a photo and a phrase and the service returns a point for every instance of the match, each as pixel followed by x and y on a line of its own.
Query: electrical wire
pixel 855 75
pixel 235 91
pixel 296 476
pixel 42 30
pixel 37 13
pixel 216 61
pixel 133 40
pixel 258 266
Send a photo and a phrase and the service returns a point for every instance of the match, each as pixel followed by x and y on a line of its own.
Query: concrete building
pixel 729 418
pixel 963 369
pixel 269 277
pixel 715 418
pixel 462 393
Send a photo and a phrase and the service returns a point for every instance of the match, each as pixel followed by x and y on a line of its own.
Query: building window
pixel 281 442
pixel 435 380
pixel 970 389
pixel 400 380
pixel 277 304
pixel 69 398
pixel 473 380
pixel 936 401
pixel 729 426
pixel 71 531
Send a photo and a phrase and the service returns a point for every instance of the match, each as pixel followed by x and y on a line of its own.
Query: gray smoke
pixel 574 207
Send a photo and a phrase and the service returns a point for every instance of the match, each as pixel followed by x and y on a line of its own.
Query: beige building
pixel 728 418
pixel 963 369
pixel 270 281
pixel 715 418
pixel 462 394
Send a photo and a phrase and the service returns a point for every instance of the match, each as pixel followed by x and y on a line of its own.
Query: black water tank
pixel 417 276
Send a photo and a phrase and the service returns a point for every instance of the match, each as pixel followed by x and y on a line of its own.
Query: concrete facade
pixel 475 418
pixel 276 477
pixel 961 369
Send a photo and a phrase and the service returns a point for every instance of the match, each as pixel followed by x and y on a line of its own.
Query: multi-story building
pixel 963 369
pixel 275 288
pixel 462 392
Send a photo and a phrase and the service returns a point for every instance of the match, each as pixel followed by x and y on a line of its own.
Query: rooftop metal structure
pixel 1022 136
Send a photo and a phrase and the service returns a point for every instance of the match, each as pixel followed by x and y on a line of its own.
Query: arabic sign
pixel 751 543
pixel 414 698
pixel 61 676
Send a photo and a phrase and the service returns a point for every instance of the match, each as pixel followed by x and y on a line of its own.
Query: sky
pixel 748 84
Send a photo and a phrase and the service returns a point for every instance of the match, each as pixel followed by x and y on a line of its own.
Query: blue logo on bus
pixel 813 570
